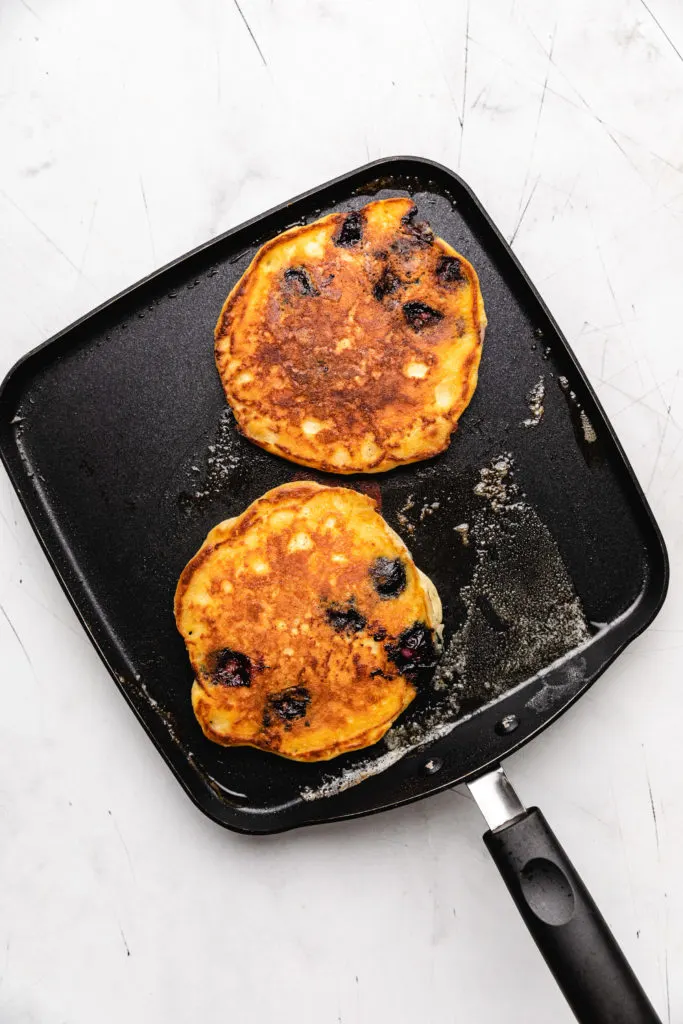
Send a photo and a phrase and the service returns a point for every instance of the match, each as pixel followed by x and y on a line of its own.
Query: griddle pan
pixel 116 436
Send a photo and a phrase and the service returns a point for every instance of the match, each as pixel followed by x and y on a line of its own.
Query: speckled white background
pixel 132 131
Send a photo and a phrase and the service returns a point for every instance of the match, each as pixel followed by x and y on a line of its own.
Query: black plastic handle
pixel 571 933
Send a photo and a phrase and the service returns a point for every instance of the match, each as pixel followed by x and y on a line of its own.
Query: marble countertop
pixel 130 133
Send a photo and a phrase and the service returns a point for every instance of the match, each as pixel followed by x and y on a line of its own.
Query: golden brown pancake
pixel 307 624
pixel 353 344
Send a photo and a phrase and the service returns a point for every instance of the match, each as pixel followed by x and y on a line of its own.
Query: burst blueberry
pixel 388 576
pixel 414 649
pixel 230 668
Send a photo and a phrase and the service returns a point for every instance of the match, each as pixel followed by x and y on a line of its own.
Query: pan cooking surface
pixel 547 559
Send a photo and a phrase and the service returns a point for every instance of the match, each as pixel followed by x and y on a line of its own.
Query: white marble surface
pixel 130 132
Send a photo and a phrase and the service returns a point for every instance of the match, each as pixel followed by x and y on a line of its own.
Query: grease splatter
pixel 535 400
pixel 522 615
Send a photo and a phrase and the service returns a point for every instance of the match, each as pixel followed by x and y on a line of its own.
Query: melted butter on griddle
pixel 522 615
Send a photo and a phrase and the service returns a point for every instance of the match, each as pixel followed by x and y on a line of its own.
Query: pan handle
pixel 571 933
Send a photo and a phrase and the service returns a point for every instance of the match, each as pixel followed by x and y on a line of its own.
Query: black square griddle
pixel 117 438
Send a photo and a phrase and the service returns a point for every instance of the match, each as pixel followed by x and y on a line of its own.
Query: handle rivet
pixel 508 724
pixel 432 766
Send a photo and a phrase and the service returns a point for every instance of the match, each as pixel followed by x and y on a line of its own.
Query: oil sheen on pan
pixel 352 344
pixel 520 615
pixel 308 625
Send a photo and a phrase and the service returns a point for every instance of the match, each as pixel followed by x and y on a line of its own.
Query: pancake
pixel 307 624
pixel 352 344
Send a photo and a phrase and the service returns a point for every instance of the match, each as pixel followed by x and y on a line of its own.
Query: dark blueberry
pixel 414 649
pixel 351 231
pixel 299 280
pixel 449 270
pixel 419 229
pixel 288 704
pixel 387 284
pixel 419 315
pixel 230 668
pixel 388 576
pixel 378 672
pixel 380 634
pixel 345 618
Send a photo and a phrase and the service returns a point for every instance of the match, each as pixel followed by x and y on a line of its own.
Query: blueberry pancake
pixel 352 344
pixel 307 624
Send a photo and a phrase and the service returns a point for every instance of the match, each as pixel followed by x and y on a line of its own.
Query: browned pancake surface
pixel 352 344
pixel 305 620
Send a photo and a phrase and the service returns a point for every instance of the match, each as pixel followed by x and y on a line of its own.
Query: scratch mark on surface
pixel 634 142
pixel 589 328
pixel 582 106
pixel 620 315
pixel 124 941
pixel 666 981
pixel 464 83
pixel 621 149
pixel 253 37
pixel 611 290
pixel 24 4
pixel 532 80
pixel 663 31
pixel 538 117
pixel 570 194
pixel 590 814
pixel 523 213
pixel 123 842
pixel 40 231
pixel 640 399
pixel 622 369
pixel 418 6
pixel 652 807
pixel 479 96
pixel 149 223
pixel 587 109
pixel 19 640
pixel 665 405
